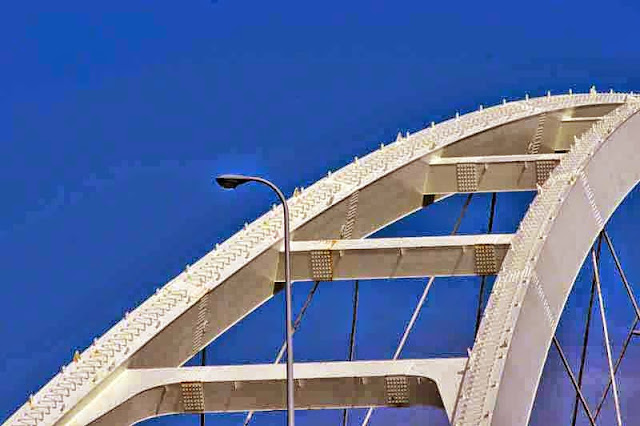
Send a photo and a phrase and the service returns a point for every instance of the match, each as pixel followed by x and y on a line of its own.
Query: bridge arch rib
pixel 539 271
pixel 191 310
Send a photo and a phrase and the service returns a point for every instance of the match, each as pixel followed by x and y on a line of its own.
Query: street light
pixel 229 181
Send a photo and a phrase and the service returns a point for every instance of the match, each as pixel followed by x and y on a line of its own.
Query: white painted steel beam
pixel 494 173
pixel 374 258
pixel 580 119
pixel 146 393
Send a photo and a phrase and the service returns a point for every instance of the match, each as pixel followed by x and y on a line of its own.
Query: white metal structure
pixel 562 146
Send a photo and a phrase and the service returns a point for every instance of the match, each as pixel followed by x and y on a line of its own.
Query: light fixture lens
pixel 231 181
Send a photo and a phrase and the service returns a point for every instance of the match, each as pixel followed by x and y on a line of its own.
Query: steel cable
pixel 418 307
pixel 283 348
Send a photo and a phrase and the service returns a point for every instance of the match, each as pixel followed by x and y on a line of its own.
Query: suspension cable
pixel 418 307
pixel 573 381
pixel 585 339
pixel 622 274
pixel 283 348
pixel 203 362
pixel 352 338
pixel 615 368
pixel 633 325
pixel 605 331
pixel 483 279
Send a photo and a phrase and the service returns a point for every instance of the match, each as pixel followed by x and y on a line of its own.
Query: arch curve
pixel 539 271
pixel 251 256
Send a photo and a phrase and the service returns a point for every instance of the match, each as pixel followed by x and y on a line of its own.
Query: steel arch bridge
pixel 561 146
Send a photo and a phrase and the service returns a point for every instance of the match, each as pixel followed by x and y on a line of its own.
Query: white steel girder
pixel 373 258
pixel 142 394
pixel 495 173
pixel 367 195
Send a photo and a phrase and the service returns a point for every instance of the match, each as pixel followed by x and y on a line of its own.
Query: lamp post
pixel 229 181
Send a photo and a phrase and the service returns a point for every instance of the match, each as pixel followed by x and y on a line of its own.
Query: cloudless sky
pixel 115 115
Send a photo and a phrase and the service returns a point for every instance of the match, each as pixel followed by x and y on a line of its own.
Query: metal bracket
pixel 397 390
pixel 467 177
pixel 192 397
pixel 486 263
pixel 543 170
pixel 321 265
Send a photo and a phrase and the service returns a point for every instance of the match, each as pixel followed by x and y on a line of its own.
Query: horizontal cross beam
pixel 146 393
pixel 494 173
pixel 380 258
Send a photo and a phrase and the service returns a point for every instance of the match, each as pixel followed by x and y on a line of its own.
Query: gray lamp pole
pixel 231 182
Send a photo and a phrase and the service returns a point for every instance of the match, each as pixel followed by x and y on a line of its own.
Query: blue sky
pixel 114 116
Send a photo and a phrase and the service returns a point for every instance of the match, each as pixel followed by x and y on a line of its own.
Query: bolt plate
pixel 200 326
pixel 321 265
pixel 192 397
pixel 543 170
pixel 397 390
pixel 486 259
pixel 352 214
pixel 467 177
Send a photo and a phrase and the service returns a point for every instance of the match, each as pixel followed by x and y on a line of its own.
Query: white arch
pixel 125 344
pixel 539 271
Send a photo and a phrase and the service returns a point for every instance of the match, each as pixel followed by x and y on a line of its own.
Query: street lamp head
pixel 232 181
